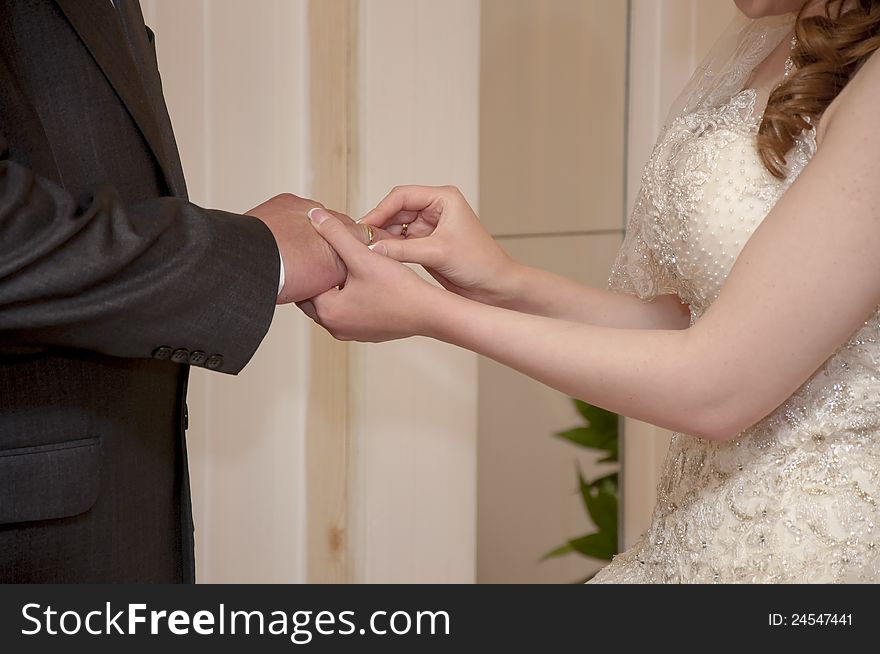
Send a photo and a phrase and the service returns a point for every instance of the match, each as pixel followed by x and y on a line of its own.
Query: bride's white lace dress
pixel 795 497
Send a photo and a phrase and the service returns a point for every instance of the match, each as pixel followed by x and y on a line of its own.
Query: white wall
pixel 414 403
pixel 234 75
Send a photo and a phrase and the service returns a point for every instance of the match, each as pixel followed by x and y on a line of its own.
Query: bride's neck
pixel 767 75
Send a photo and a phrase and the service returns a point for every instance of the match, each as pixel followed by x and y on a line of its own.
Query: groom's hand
pixel 310 264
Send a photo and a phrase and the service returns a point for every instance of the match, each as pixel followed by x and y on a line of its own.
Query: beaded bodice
pixel 794 497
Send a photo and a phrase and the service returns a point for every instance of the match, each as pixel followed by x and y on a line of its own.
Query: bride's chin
pixel 751 8
pixel 763 8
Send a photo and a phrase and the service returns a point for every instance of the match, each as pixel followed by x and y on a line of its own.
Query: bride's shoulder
pixel 857 107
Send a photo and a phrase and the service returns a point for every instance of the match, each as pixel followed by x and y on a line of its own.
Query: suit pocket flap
pixel 48 481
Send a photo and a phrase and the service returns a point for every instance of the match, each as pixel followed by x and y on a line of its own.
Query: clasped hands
pixel 372 296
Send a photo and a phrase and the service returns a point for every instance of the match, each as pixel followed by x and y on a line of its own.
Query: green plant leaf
pixel 599 545
pixel 612 450
pixel 600 496
pixel 603 510
pixel 585 488
pixel 599 419
pixel 600 499
pixel 608 483
pixel 559 551
pixel 590 438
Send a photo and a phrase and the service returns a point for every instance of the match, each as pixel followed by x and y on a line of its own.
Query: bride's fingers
pixel 320 302
pixel 362 232
pixel 348 246
pixel 418 229
pixel 308 308
pixel 399 218
pixel 402 198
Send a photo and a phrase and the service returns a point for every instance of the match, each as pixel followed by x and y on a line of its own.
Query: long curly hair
pixel 830 49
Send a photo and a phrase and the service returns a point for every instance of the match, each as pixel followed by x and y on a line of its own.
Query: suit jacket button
pixel 214 362
pixel 163 352
pixel 180 356
pixel 198 358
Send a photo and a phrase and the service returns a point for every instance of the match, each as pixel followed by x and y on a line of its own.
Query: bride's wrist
pixel 429 309
pixel 512 283
pixel 443 314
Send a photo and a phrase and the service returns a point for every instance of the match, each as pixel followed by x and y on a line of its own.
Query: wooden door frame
pixel 333 111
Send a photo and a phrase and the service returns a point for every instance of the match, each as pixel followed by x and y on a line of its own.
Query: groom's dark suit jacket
pixel 111 286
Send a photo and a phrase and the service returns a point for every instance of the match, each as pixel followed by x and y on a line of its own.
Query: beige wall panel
pixel 413 403
pixel 527 483
pixel 552 115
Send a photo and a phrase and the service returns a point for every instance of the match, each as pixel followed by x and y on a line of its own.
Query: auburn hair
pixel 830 49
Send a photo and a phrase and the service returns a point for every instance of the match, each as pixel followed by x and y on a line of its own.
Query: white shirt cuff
pixel 281 274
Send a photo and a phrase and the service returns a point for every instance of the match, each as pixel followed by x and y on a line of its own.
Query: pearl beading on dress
pixel 794 498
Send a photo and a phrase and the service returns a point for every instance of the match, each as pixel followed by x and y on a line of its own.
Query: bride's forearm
pixel 542 293
pixel 645 374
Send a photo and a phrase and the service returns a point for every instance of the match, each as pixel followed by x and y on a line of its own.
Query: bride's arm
pixel 804 283
pixel 543 293
pixel 446 237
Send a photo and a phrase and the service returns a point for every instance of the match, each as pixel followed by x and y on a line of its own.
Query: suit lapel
pixel 98 26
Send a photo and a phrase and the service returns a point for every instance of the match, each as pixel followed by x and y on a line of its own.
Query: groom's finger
pixel 361 232
pixel 401 198
pixel 369 234
pixel 347 246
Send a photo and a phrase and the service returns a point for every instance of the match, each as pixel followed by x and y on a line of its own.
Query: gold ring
pixel 404 229
pixel 370 235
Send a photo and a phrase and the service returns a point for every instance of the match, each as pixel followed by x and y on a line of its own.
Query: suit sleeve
pixel 162 278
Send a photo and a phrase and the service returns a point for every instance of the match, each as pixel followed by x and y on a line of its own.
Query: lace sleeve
pixel 645 262
pixel 639 269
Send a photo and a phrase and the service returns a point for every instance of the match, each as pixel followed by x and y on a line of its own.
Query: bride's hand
pixel 444 235
pixel 381 299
